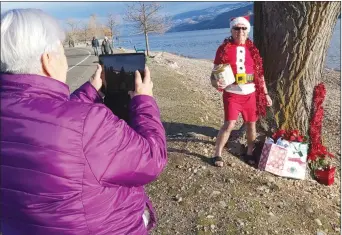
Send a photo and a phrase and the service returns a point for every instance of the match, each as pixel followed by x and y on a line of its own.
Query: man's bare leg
pixel 251 136
pixel 222 139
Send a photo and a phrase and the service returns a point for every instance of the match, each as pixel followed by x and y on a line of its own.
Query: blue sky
pixel 82 10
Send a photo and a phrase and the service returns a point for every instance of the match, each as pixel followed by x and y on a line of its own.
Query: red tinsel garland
pixel 258 73
pixel 317 149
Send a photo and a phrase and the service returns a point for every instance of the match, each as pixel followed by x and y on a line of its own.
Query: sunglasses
pixel 239 28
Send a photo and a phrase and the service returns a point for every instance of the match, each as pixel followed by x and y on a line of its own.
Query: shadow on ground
pixel 204 134
pixel 173 128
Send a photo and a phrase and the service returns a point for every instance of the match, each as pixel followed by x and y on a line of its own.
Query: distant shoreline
pixel 122 49
pixel 212 61
pixel 202 59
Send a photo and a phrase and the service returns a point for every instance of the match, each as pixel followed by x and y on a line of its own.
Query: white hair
pixel 26 34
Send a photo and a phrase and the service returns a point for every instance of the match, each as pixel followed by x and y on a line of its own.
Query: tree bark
pixel 293 38
pixel 145 30
pixel 147 46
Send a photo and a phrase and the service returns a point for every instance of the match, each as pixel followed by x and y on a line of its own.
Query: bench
pixel 139 50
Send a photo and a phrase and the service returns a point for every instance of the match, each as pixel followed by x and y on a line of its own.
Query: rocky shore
pixel 193 197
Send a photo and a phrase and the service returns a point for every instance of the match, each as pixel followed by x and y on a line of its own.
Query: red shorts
pixel 235 104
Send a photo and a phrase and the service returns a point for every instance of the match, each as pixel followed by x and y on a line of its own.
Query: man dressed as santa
pixel 248 94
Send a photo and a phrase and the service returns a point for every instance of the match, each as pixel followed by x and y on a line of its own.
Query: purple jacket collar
pixel 34 86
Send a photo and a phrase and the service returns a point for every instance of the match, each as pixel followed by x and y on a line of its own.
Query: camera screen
pixel 119 71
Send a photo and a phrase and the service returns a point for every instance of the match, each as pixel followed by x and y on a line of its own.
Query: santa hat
pixel 241 20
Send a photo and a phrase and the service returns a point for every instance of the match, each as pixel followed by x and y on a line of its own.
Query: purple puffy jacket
pixel 69 166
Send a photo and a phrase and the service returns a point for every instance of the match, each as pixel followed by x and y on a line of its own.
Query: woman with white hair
pixel 68 164
pixel 248 94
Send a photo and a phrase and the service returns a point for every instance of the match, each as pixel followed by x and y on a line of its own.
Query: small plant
pixel 320 159
pixel 320 162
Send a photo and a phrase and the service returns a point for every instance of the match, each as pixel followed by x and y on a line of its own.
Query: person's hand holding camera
pixel 96 80
pixel 142 87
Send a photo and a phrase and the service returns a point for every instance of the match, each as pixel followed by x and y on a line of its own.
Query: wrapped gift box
pixel 224 75
pixel 295 165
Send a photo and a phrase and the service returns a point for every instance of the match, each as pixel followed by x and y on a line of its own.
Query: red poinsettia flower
pixel 282 132
pixel 312 157
pixel 300 138
pixel 278 134
pixel 295 133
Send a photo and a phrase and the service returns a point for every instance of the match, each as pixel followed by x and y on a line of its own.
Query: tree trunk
pixel 147 46
pixel 293 38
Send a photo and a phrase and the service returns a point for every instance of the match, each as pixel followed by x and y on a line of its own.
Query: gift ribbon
pixel 298 151
pixel 296 160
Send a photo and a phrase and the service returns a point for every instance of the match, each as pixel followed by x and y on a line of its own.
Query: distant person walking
pixel 106 47
pixel 95 44
pixel 71 43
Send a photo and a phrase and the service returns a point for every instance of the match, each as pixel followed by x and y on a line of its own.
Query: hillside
pixel 207 13
pixel 210 18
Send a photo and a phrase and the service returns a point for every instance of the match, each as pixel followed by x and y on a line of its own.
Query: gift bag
pixel 273 158
pixel 287 159
pixel 295 166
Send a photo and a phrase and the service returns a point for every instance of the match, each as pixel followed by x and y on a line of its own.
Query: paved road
pixel 82 64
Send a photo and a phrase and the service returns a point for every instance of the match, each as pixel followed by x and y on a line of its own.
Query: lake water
pixel 202 44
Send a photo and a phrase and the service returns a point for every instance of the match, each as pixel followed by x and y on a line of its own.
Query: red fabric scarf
pixel 258 73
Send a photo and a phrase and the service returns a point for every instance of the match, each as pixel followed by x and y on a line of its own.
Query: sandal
pixel 250 159
pixel 216 160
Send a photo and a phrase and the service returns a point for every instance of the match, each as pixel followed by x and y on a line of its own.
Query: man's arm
pixel 264 83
